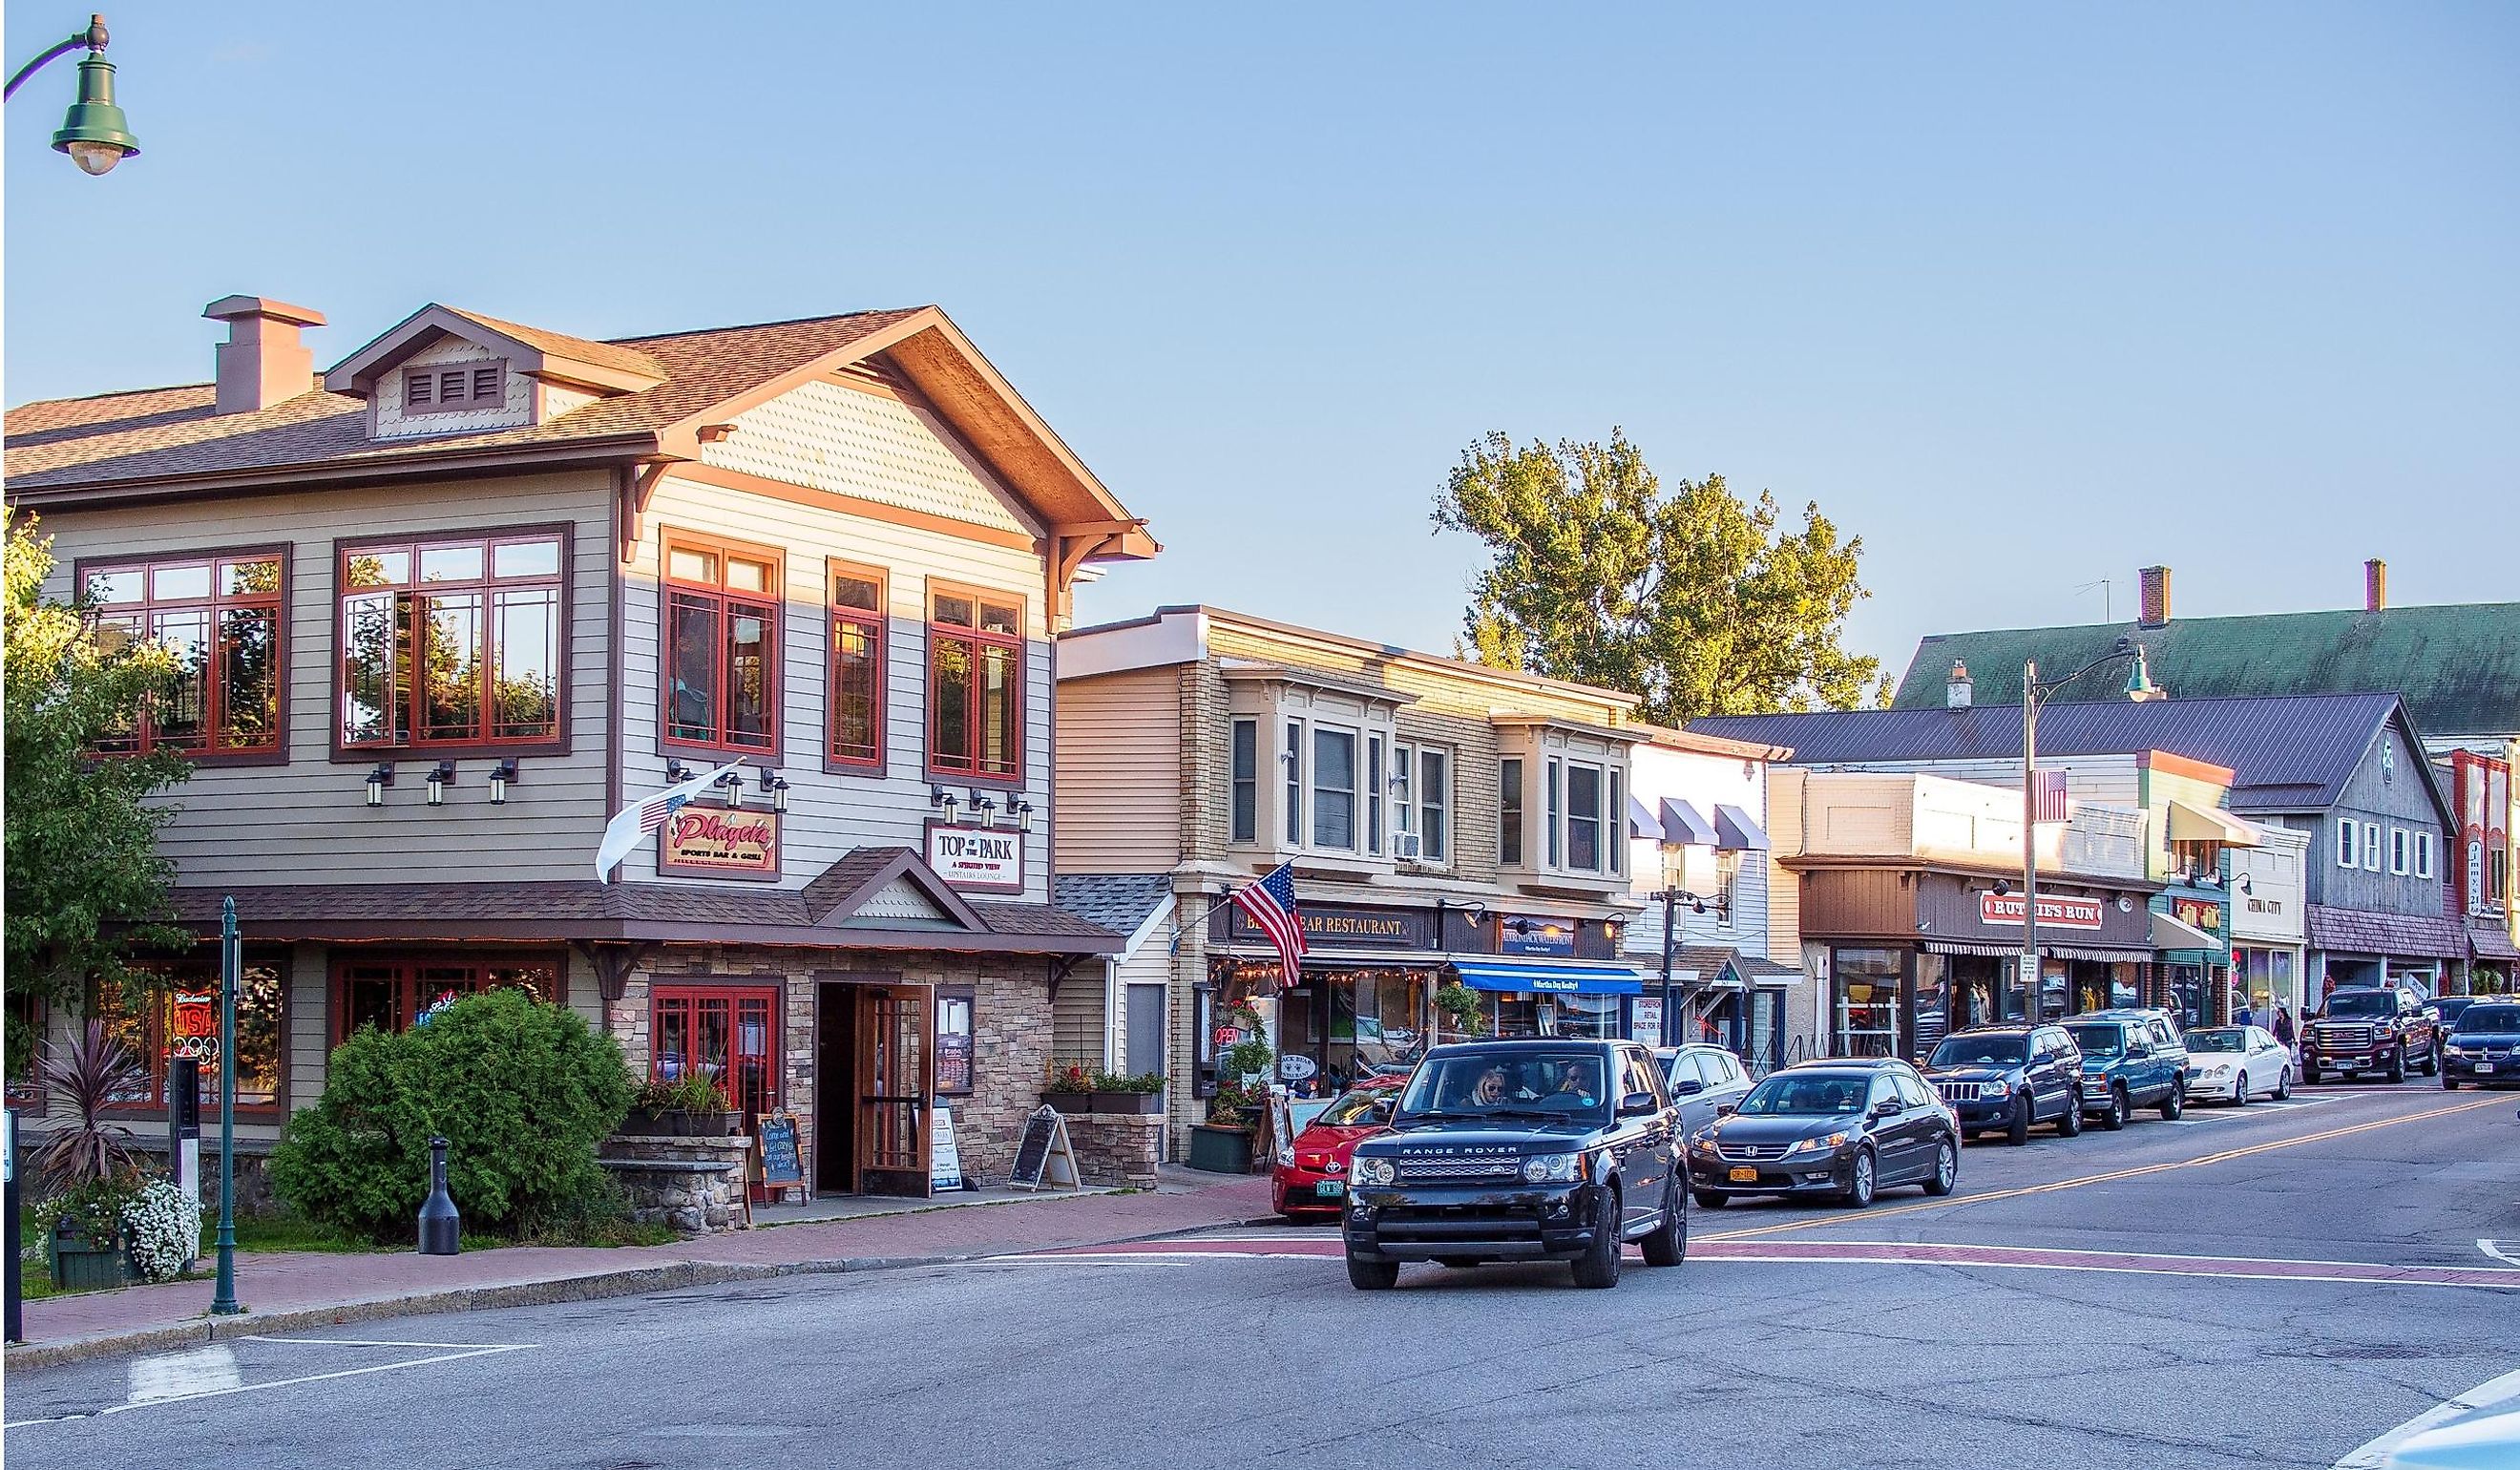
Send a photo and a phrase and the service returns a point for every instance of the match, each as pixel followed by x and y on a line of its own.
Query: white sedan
pixel 2235 1063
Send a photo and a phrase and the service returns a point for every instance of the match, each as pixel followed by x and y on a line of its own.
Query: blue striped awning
pixel 1519 975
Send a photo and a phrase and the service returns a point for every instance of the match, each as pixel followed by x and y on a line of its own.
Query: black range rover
pixel 1522 1150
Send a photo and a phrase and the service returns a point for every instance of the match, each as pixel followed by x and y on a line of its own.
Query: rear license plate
pixel 1331 1188
pixel 1742 1175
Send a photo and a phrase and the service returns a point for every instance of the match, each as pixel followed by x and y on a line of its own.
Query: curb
pixel 596 1286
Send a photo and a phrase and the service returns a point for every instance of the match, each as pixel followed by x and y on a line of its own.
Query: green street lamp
pixel 94 132
pixel 2035 691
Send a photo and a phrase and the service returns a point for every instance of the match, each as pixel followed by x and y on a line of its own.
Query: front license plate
pixel 1740 1176
pixel 2485 1066
pixel 1331 1188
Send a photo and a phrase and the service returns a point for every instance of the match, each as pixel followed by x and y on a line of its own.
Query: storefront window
pixel 953 1041
pixel 177 1015
pixel 1865 1003
pixel 2188 994
pixel 1933 1002
pixel 1376 1020
pixel 729 1034
pixel 390 995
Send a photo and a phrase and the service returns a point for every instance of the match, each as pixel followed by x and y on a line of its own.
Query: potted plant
pixel 1223 1143
pixel 692 1105
pixel 1124 1093
pixel 1462 1006
pixel 1069 1088
pixel 1249 1060
pixel 86 1248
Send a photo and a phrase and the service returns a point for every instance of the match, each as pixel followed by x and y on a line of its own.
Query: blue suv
pixel 2130 1060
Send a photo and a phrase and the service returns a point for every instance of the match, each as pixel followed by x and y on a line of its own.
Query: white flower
pixel 164 1227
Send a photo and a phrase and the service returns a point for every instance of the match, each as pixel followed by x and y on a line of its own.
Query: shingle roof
pixel 173 432
pixel 2286 754
pixel 1117 901
pixel 2457 666
pixel 2357 931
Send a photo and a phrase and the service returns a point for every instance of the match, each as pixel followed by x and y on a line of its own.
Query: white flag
pixel 624 831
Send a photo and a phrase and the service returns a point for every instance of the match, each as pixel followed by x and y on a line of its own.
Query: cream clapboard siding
pixel 307 821
pixel 830 814
pixel 1120 772
pixel 1079 1018
pixel 860 443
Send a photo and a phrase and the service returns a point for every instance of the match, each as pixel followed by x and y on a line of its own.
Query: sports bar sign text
pixel 2053 912
pixel 715 842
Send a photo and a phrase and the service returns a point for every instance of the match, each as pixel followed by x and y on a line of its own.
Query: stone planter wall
pixel 1117 1148
pixel 691 1183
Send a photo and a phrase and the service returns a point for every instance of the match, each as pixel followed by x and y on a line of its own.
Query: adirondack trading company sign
pixel 989 859
pixel 717 842
pixel 2053 912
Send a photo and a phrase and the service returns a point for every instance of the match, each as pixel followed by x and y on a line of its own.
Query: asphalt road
pixel 2079 1327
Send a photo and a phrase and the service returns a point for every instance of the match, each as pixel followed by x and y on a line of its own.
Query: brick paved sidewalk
pixel 283 1283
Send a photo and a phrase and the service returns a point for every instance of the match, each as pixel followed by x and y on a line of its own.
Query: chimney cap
pixel 230 308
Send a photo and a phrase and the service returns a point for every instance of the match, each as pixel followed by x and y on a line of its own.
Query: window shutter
pixel 417 388
pixel 486 384
pixel 450 385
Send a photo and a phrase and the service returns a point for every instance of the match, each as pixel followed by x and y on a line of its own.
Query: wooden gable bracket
pixel 614 961
pixel 1072 546
pixel 637 487
pixel 1059 965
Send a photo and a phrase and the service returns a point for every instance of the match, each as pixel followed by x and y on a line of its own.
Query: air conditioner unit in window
pixel 1407 847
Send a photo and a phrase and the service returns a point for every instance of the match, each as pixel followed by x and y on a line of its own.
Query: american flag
pixel 1271 903
pixel 2047 796
pixel 631 825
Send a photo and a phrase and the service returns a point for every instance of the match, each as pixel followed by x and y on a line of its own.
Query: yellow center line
pixel 2224 1157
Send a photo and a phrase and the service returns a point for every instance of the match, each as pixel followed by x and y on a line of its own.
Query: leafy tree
pixel 1691 600
pixel 85 886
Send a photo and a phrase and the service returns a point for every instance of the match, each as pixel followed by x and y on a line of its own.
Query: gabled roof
pixel 2457 665
pixel 573 359
pixel 2285 754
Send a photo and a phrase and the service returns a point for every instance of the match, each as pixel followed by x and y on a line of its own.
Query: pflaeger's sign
pixel 719 842
pixel 2053 912
pixel 983 860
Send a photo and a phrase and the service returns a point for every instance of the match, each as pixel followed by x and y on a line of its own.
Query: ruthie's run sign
pixel 2053 912
pixel 989 859
pixel 719 842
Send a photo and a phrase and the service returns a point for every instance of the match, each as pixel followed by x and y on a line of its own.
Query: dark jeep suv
pixel 1522 1150
pixel 2010 1078
pixel 2378 1028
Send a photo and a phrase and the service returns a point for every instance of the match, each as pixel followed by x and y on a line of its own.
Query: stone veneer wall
pixel 691 1183
pixel 1117 1148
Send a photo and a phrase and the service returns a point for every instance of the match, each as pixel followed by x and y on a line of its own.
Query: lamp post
pixel 93 132
pixel 223 1301
pixel 1671 896
pixel 2034 695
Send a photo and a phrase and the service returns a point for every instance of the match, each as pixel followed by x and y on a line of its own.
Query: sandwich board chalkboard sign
pixel 783 1166
pixel 1044 1155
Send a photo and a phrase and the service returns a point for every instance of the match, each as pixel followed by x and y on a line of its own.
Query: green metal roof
pixel 2457 667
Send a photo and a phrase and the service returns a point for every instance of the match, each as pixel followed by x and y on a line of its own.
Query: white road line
pixel 2372 1454
pixel 251 1388
pixel 369 1342
pixel 2495 1249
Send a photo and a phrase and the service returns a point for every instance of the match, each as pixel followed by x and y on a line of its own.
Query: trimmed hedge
pixel 522 1093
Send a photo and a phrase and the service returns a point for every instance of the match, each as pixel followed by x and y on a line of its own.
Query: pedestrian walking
pixel 2283 1026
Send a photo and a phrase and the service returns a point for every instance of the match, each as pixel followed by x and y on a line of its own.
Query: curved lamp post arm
pixel 94 38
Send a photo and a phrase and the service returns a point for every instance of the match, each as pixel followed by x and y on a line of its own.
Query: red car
pixel 1314 1182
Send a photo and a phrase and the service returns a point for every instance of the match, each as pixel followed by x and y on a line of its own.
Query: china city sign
pixel 2053 912
pixel 989 859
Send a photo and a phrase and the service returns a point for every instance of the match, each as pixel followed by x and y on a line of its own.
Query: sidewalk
pixel 296 1289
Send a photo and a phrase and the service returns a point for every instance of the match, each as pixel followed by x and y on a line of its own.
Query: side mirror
pixel 1637 1105
pixel 1727 1109
pixel 1888 1107
pixel 1687 1087
pixel 2139 1049
pixel 1382 1113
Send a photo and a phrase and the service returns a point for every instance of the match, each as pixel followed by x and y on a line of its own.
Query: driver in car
pixel 1577 1083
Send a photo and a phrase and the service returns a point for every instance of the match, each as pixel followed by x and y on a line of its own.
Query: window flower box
pixel 1133 1103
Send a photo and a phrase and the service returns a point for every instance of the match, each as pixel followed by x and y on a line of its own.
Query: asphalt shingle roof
pixel 2457 666
pixel 1117 901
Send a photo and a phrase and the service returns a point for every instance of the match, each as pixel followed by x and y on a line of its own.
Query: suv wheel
pixel 2449 1083
pixel 1947 1169
pixel 2176 1103
pixel 1859 1186
pixel 2398 1064
pixel 2116 1117
pixel 1668 1242
pixel 2017 1132
pixel 1373 1276
pixel 2070 1126
pixel 1598 1265
pixel 2432 1057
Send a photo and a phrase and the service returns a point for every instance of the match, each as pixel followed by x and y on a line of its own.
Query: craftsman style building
pixel 445 611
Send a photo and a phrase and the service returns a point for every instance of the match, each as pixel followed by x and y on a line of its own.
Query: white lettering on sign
pixel 973 858
pixel 2053 912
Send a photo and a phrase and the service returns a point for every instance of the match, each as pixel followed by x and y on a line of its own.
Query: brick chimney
pixel 1957 692
pixel 2156 597
pixel 262 362
pixel 2375 585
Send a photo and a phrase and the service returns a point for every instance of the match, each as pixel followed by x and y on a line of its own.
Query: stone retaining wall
pixel 694 1185
pixel 1117 1148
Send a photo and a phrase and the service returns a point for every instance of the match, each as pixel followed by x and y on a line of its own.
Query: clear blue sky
pixel 2027 296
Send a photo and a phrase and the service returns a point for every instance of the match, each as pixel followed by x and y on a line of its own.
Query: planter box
pixel 78 1265
pixel 1070 1104
pixel 1220 1150
pixel 1140 1104
pixel 675 1123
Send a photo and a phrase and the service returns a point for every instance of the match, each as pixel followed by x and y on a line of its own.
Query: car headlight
pixel 1553 1168
pixel 1814 1145
pixel 2453 1048
pixel 1372 1171
pixel 2219 1070
pixel 1999 1088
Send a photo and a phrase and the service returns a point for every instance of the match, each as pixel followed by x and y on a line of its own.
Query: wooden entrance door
pixel 896 1059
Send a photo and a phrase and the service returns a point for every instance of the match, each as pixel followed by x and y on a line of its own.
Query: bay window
pixel 1294 756
pixel 1583 816
pixel 1245 799
pixel 1334 789
pixel 218 614
pixel 1553 781
pixel 857 692
pixel 451 643
pixel 1615 817
pixel 975 649
pixel 1510 810
pixel 720 644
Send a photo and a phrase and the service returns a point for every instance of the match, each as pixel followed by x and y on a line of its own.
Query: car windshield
pixel 2098 1040
pixel 2491 1020
pixel 1815 1095
pixel 2368 1003
pixel 1355 1109
pixel 2218 1039
pixel 1504 1084
pixel 1978 1051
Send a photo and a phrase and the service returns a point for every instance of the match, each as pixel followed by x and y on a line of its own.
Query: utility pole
pixel 2030 980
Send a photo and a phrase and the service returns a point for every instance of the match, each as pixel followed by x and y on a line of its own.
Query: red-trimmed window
pixel 220 616
pixel 390 994
pixel 728 1033
pixel 858 632
pixel 452 642
pixel 455 387
pixel 721 643
pixel 975 652
pixel 177 1014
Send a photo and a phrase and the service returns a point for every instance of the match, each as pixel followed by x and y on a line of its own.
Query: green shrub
pixel 521 1091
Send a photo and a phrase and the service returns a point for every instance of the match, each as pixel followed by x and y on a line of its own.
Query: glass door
pixel 895 1064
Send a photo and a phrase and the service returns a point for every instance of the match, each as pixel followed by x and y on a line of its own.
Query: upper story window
pixel 975 650
pixel 1294 756
pixel 2401 851
pixel 1422 799
pixel 2424 855
pixel 1510 810
pixel 1584 791
pixel 857 694
pixel 721 636
pixel 1334 789
pixel 219 615
pixel 1569 828
pixel 2349 834
pixel 452 642
pixel 1245 797
pixel 455 387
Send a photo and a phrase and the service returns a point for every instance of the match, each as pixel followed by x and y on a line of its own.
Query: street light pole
pixel 94 131
pixel 223 1300
pixel 2139 688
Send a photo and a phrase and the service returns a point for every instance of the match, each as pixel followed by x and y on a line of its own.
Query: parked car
pixel 2447 1008
pixel 1311 1178
pixel 2011 1078
pixel 2376 1028
pixel 1522 1150
pixel 2484 1050
pixel 2235 1063
pixel 1703 1081
pixel 1843 1128
pixel 2130 1060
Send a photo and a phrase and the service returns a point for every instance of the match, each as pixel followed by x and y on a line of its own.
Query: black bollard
pixel 441 1228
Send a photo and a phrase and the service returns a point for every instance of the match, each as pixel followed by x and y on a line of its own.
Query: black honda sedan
pixel 1842 1129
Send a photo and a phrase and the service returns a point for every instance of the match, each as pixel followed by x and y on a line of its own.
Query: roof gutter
pixel 342 473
